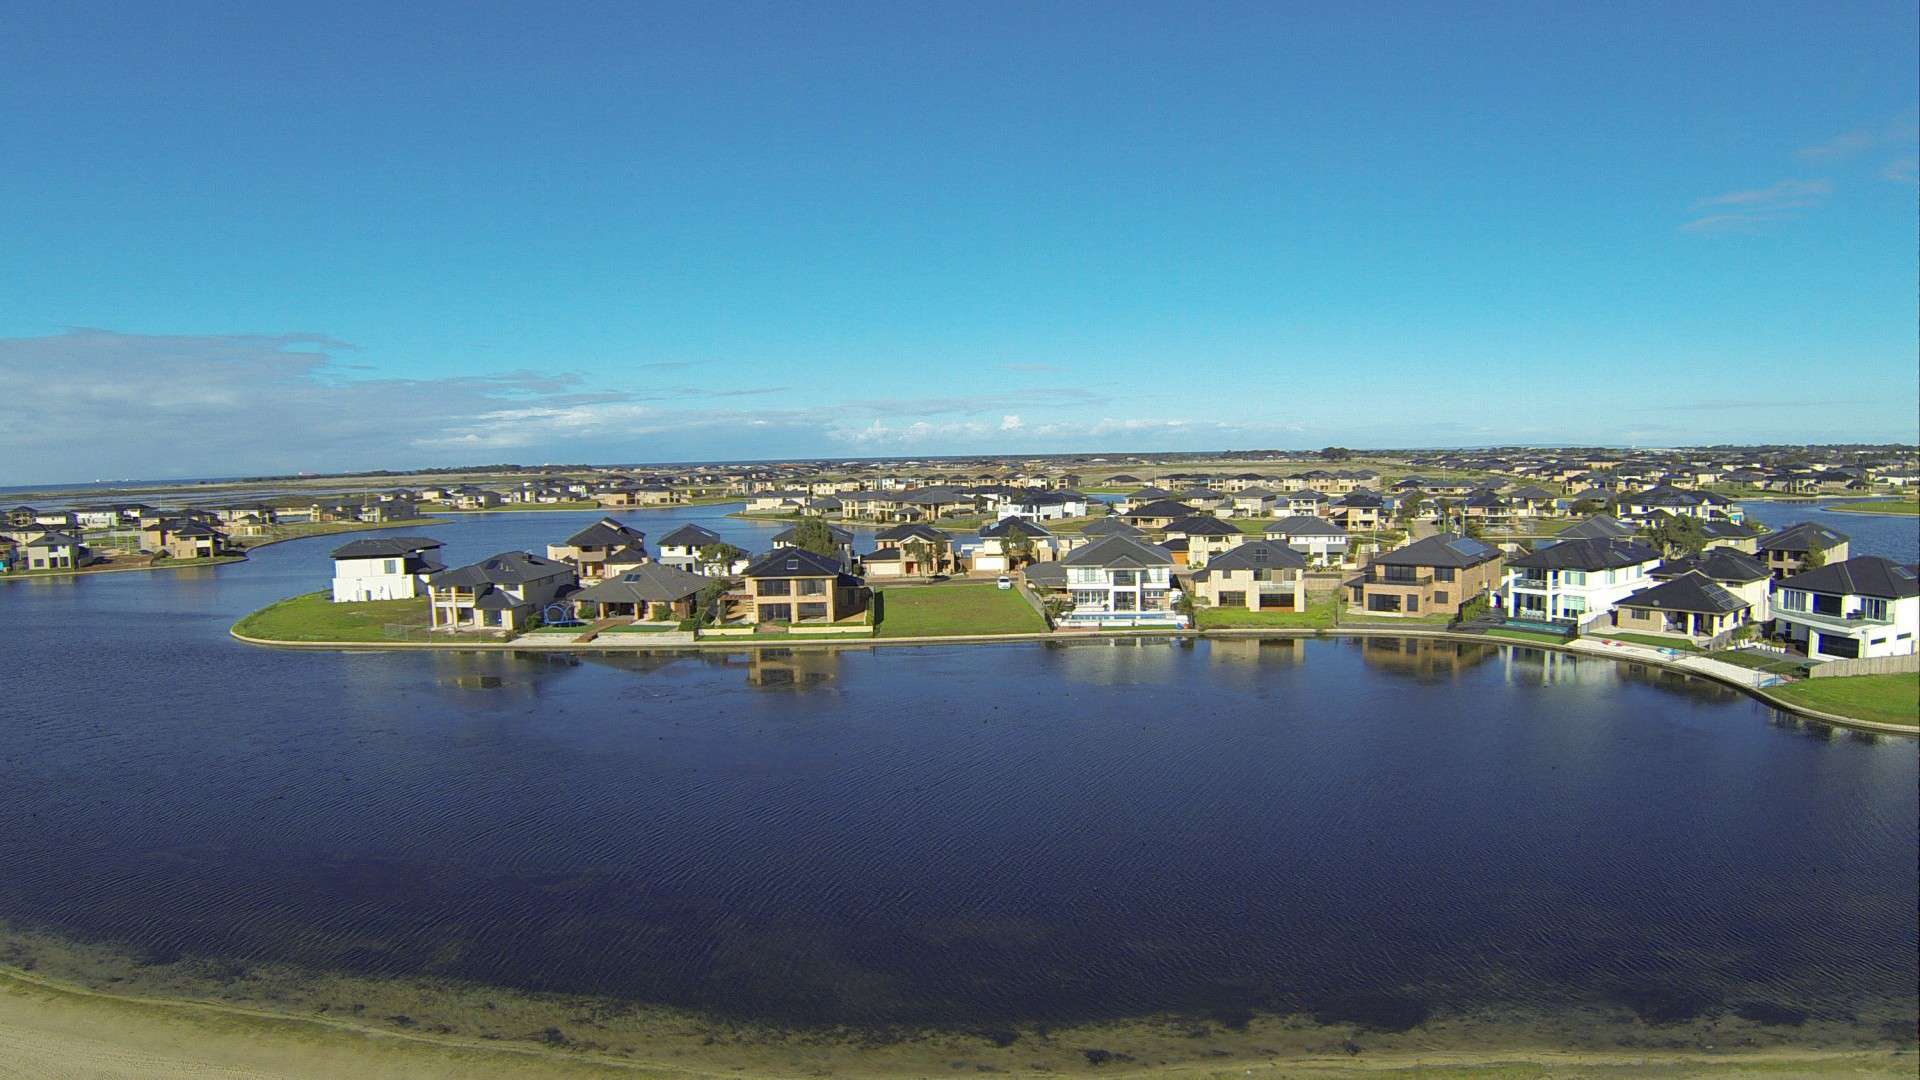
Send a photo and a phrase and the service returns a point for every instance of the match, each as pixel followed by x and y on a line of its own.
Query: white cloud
pixel 1011 422
pixel 1751 207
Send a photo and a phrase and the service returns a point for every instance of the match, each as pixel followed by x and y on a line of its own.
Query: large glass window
pixel 811 586
pixel 812 611
pixel 775 587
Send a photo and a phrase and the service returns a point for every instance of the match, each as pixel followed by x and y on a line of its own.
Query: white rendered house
pixel 384 568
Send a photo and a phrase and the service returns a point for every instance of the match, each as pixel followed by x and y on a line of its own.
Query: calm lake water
pixel 1894 536
pixel 1375 831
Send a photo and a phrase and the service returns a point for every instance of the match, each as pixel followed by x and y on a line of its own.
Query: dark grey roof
pixel 901 533
pixel 53 538
pixel 1008 526
pixel 1598 527
pixel 1160 508
pixel 1804 536
pixel 1110 526
pixel 1121 551
pixel 605 533
pixel 1202 525
pixel 1440 549
pixel 506 568
pixel 840 535
pixel 385 547
pixel 1691 591
pixel 653 583
pixel 1305 525
pixel 1718 563
pixel 1586 555
pixel 1048 574
pixel 690 535
pixel 1862 575
pixel 1258 555
pixel 794 562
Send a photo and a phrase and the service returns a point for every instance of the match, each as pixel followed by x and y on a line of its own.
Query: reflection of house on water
pixel 1257 650
pixel 1423 658
pixel 509 672
pixel 1120 660
pixel 796 669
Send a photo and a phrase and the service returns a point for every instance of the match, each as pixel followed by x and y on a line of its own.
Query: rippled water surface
pixel 1378 829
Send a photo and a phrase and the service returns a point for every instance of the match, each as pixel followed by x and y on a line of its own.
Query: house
pixel 473 498
pixel 1434 576
pixel 1205 538
pixel 384 568
pixel 1785 552
pixel 1140 497
pixel 9 555
pixel 1359 509
pixel 1574 581
pixel 681 547
pixel 776 502
pixel 1733 570
pixel 21 517
pixel 1119 580
pixel 505 592
pixel 1304 502
pixel 590 550
pixel 1320 541
pixel 911 551
pixel 1257 575
pixel 1852 609
pixel 842 541
pixel 1688 605
pixel 1010 543
pixel 186 539
pixel 1157 514
pixel 53 550
pixel 1254 502
pixel 794 585
pixel 1740 537
pixel 656 592
pixel 1045 506
pixel 1598 527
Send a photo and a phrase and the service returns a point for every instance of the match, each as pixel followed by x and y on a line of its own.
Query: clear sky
pixel 263 237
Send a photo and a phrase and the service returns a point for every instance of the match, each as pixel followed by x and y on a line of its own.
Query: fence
pixel 1873 665
pixel 1033 601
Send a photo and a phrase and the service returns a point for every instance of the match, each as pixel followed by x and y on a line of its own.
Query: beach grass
pixel 315 617
pixel 1885 699
pixel 957 609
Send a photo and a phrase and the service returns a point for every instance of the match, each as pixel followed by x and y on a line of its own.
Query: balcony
pixel 1854 621
pixel 1374 576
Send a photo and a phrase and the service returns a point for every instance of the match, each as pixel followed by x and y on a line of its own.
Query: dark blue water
pixel 1892 536
pixel 1379 829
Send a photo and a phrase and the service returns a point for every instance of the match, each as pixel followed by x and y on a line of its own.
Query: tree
pixel 1674 534
pixel 1336 453
pixel 1471 527
pixel 1816 558
pixel 1589 506
pixel 719 554
pixel 1019 544
pixel 927 554
pixel 816 536
pixel 706 604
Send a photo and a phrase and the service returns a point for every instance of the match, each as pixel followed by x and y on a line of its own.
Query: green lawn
pixel 315 617
pixel 947 610
pixel 1888 699
pixel 1767 662
pixel 1526 635
pixel 641 628
pixel 1653 640
pixel 1317 616
pixel 1892 506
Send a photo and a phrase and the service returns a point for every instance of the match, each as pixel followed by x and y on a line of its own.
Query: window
pixel 775 587
pixel 1573 577
pixel 1413 603
pixel 1826 604
pixel 1380 602
pixel 1439 598
pixel 811 586
pixel 1793 600
pixel 776 612
pixel 1835 645
pixel 1443 573
pixel 1872 608
pixel 812 611
pixel 392 566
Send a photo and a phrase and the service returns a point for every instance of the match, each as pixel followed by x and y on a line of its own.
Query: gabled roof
pixel 1008 526
pixel 1804 536
pixel 53 538
pixel 840 535
pixel 1718 563
pixel 605 533
pixel 506 568
pixel 1305 525
pixel 385 547
pixel 1258 555
pixel 794 562
pixel 1862 575
pixel 1202 525
pixel 1160 508
pixel 1691 591
pixel 1599 527
pixel 1120 551
pixel 1587 555
pixel 1440 549
pixel 653 583
pixel 901 533
pixel 690 535
pixel 1108 526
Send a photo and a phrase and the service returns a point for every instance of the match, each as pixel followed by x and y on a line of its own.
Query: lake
pixel 1439 842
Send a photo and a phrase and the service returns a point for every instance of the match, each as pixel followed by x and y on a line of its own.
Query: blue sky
pixel 263 237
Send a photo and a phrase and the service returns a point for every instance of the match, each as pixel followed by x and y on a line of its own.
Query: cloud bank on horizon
pixel 172 406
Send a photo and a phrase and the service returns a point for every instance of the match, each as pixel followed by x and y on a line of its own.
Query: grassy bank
pixel 1651 640
pixel 300 530
pixel 1886 699
pixel 949 610
pixel 315 617
pixel 1538 636
pixel 123 564
pixel 1909 507
pixel 1317 616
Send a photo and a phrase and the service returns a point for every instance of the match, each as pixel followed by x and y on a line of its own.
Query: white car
pixel 1005 582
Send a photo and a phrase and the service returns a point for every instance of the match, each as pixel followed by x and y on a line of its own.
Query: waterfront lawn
pixel 641 628
pixel 1317 616
pixel 949 610
pixel 1759 661
pixel 315 617
pixel 1526 635
pixel 294 530
pixel 1889 506
pixel 1651 640
pixel 1888 699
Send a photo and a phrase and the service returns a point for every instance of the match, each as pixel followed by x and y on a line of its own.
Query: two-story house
pixel 1786 550
pixel 1852 609
pixel 1319 540
pixel 1118 580
pixel 912 550
pixel 1733 570
pixel 1687 605
pixel 384 568
pixel 656 592
pixel 1257 575
pixel 53 550
pixel 1010 543
pixel 794 585
pixel 1434 576
pixel 504 592
pixel 1573 581
pixel 1205 538
pixel 842 543
pixel 602 548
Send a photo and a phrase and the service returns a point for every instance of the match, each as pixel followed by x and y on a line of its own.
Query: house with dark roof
pixel 384 568
pixel 1206 537
pixel 1733 570
pixel 1157 514
pixel 911 550
pixel 681 547
pixel 655 592
pixel 504 592
pixel 842 541
pixel 1011 543
pixel 1320 541
pixel 183 538
pixel 1434 576
pixel 1785 551
pixel 797 586
pixel 1688 605
pixel 601 549
pixel 1852 609
pixel 1259 575
pixel 53 550
pixel 1574 581
pixel 1120 581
